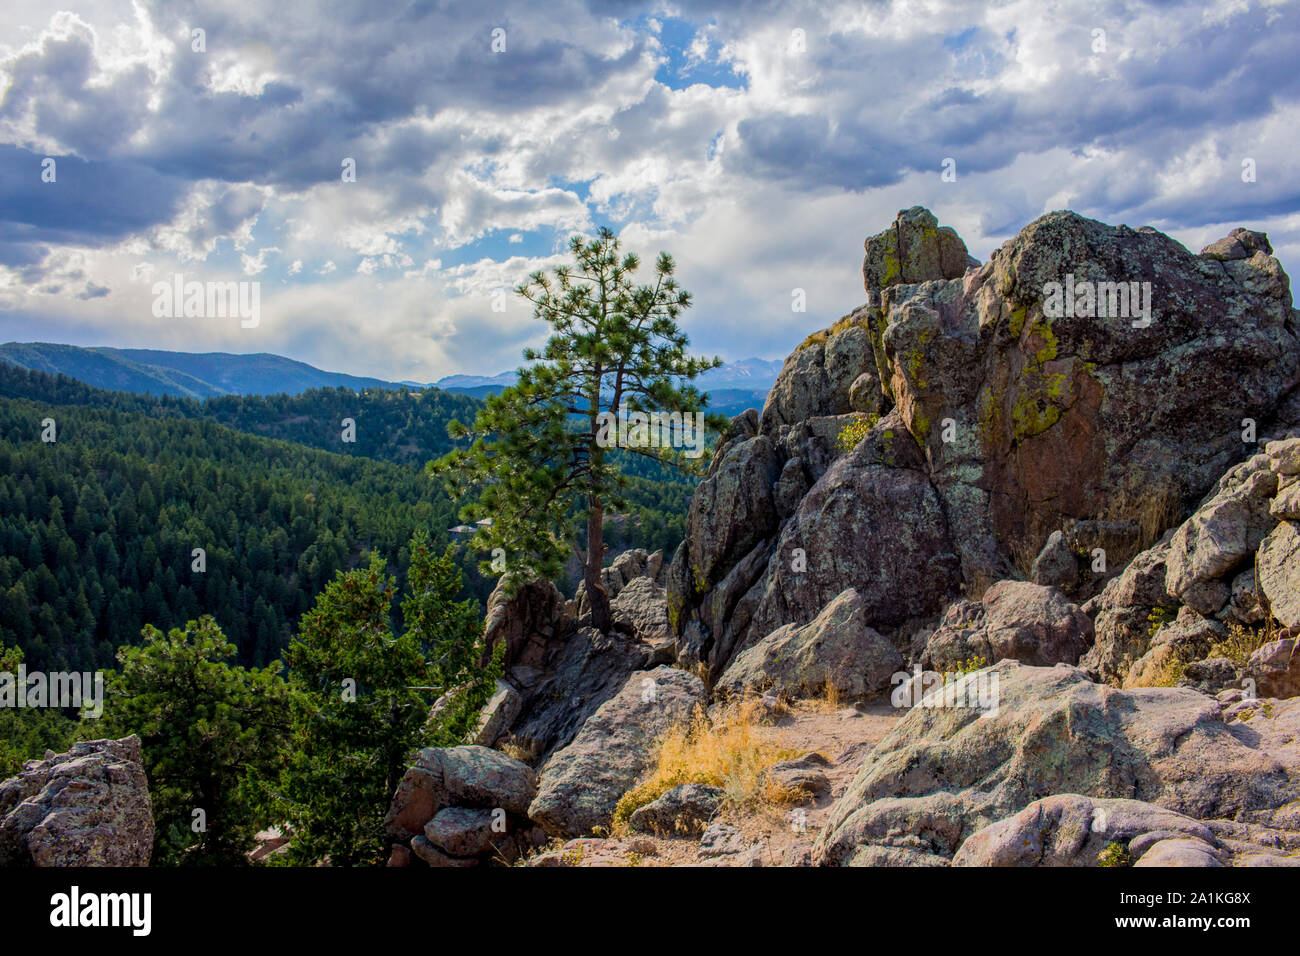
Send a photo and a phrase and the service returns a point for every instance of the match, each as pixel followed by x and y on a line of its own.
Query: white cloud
pixel 462 155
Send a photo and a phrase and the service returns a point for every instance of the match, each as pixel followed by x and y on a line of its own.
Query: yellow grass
pixel 1240 643
pixel 728 754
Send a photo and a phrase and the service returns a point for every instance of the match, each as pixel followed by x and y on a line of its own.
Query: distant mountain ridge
pixel 752 374
pixel 733 387
pixel 180 374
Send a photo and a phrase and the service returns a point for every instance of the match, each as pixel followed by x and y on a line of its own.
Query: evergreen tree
pixel 361 698
pixel 26 733
pixel 540 445
pixel 212 735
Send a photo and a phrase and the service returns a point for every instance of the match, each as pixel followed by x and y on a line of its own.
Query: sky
pixel 758 143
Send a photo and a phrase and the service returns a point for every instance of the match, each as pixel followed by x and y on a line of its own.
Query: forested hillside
pixel 401 426
pixel 98 529
pixel 390 424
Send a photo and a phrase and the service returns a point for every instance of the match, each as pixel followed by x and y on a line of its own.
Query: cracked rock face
pixel 1006 417
pixel 87 807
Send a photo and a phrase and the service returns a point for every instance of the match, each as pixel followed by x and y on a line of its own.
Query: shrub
pixel 854 431
pixel 1158 618
pixel 1240 643
pixel 1114 855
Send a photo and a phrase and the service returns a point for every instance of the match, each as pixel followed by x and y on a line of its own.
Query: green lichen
pixel 1018 319
pixel 921 428
pixel 1043 330
pixel 701 579
pixel 916 358
pixel 990 416
pixel 1038 401
pixel 1032 415
pixel 846 322
pixel 877 323
pixel 893 267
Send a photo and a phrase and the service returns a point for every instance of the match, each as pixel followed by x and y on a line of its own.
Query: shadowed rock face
pixel 1006 415
pixel 581 784
pixel 87 807
pixel 837 649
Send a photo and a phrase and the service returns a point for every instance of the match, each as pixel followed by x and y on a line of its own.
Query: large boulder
pixel 1096 410
pixel 581 784
pixel 641 610
pixel 464 831
pixel 497 715
pixel 837 649
pixel 86 807
pixel 1275 668
pixel 874 523
pixel 732 510
pixel 1279 572
pixel 831 373
pixel 584 670
pixel 914 249
pixel 945 772
pixel 1056 565
pixel 1127 615
pixel 526 622
pixel 1073 830
pixel 1219 536
pixel 471 776
pixel 1014 620
pixel 1189 637
pixel 681 811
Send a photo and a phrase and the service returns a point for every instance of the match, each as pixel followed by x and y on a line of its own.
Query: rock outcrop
pixel 1230 564
pixel 560 670
pixel 837 651
pixel 1070 399
pixel 1015 620
pixel 87 807
pixel 1072 830
pixel 1079 463
pixel 946 772
pixel 459 806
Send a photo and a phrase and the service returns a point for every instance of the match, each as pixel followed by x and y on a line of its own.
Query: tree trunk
pixel 595 558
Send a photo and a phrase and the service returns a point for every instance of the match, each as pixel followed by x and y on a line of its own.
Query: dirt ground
pixel 769 835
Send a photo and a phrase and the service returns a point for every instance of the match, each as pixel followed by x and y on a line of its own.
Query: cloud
pixel 703 129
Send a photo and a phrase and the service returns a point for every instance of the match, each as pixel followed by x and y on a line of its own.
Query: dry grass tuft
pixel 727 753
pixel 511 748
pixel 1241 642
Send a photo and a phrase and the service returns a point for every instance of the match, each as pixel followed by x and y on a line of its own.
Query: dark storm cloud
pixel 94 202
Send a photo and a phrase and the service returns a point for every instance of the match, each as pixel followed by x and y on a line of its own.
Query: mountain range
pixel 208 374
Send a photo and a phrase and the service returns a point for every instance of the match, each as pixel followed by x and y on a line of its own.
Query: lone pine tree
pixel 539 451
